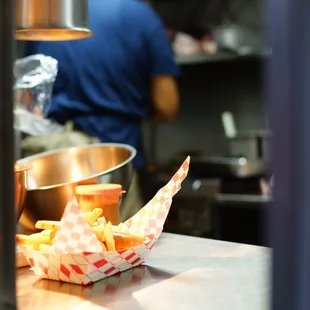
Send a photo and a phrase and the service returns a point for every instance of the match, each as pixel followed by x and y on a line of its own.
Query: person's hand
pixel 171 34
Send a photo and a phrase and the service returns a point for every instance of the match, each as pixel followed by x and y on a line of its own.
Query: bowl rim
pixel 26 160
pixel 21 167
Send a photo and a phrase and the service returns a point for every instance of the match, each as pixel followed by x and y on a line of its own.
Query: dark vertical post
pixel 7 213
pixel 289 100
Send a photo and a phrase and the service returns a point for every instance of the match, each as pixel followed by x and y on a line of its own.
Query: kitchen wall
pixel 207 90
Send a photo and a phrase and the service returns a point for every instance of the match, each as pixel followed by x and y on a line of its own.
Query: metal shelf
pixel 220 56
pixel 203 57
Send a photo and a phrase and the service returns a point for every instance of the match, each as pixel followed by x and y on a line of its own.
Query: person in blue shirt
pixel 108 84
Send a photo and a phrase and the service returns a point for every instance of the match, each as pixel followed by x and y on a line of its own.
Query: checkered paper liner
pixel 76 255
pixel 21 260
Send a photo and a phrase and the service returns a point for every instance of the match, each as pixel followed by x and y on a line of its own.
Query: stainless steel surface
pixel 52 20
pixel 254 145
pixel 239 39
pixel 54 176
pixel 20 173
pixel 242 199
pixel 181 273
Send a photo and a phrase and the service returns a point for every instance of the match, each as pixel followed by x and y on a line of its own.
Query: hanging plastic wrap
pixel 34 80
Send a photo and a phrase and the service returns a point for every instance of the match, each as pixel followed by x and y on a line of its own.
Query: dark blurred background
pixel 221 72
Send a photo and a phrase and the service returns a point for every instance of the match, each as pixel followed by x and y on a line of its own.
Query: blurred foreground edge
pixel 288 94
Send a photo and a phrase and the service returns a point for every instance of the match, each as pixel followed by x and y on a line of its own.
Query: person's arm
pixel 165 97
pixel 163 71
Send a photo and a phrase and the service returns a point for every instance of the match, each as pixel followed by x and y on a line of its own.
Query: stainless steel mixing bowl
pixel 54 176
pixel 20 174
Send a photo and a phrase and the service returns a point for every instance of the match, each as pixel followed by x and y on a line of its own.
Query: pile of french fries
pixel 107 234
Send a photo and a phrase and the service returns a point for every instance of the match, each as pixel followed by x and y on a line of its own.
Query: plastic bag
pixel 34 80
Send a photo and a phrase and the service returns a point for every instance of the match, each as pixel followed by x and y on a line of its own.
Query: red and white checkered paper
pixel 76 255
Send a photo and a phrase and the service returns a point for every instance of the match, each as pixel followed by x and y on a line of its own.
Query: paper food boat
pixel 76 255
pixel 20 259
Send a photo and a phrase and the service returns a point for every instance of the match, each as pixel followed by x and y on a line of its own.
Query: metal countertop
pixel 181 273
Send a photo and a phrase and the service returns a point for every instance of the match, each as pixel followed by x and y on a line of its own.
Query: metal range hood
pixel 51 20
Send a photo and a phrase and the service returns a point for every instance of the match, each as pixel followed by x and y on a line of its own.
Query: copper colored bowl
pixel 20 172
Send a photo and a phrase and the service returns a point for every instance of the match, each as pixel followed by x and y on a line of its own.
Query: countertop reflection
pixel 181 273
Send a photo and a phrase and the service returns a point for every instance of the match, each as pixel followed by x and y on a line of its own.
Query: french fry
pixel 101 229
pixel 49 232
pixel 29 246
pixel 87 217
pixel 45 248
pixel 101 220
pixel 21 239
pixel 111 237
pixel 47 225
pixel 92 216
pixel 108 234
pixel 104 248
pixel 32 239
pixel 46 232
pixel 99 232
pixel 95 214
pixel 36 247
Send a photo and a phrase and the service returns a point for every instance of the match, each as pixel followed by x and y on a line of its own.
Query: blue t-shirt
pixel 104 83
